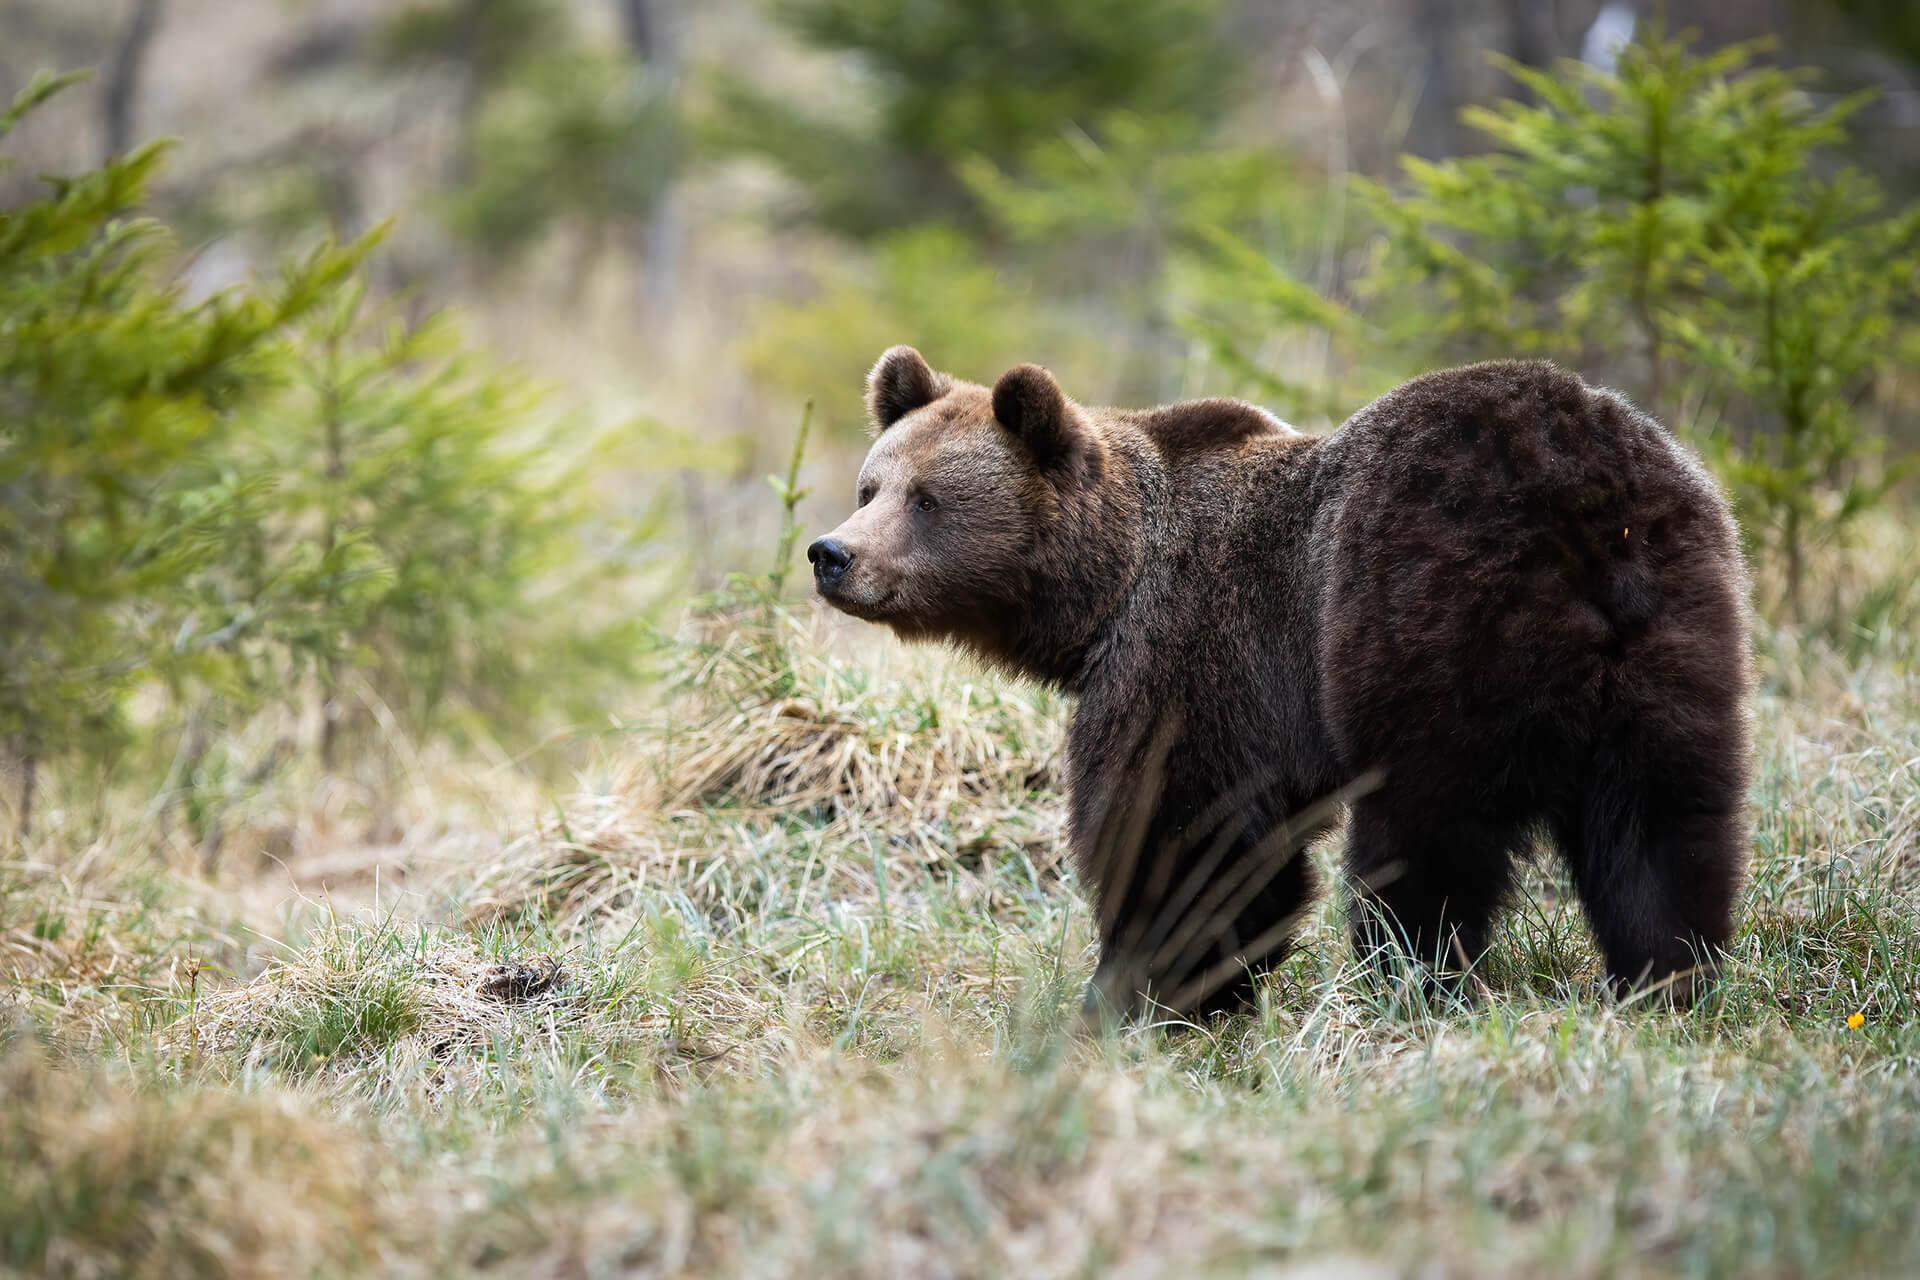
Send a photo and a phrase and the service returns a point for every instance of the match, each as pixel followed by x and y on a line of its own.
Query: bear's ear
pixel 900 383
pixel 1029 403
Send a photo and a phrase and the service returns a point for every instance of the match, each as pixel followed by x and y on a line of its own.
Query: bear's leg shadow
pixel 1425 885
pixel 1657 850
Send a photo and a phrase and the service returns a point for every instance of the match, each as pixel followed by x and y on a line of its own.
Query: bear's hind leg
pixel 1425 885
pixel 1658 867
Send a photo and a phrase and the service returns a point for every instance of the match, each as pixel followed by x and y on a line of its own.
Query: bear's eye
pixel 866 495
pixel 925 503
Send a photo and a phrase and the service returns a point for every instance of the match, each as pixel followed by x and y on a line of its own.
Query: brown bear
pixel 1496 606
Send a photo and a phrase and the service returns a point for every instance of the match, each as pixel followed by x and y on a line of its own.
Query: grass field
pixel 789 987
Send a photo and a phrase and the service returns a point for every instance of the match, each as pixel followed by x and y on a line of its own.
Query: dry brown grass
pixel 420 1009
pixel 88 939
pixel 793 727
pixel 941 764
pixel 104 1179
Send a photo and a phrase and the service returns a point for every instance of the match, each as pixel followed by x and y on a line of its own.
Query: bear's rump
pixel 1502 587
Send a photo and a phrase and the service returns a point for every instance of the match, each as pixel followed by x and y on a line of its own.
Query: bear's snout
pixel 829 560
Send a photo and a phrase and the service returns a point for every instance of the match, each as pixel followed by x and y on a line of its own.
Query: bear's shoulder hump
pixel 1196 426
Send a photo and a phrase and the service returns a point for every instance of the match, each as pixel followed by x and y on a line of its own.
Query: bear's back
pixel 1494 436
pixel 1462 462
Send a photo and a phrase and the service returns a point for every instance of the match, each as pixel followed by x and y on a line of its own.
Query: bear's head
pixel 960 490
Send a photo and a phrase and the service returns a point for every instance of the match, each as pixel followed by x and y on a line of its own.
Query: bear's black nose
pixel 829 560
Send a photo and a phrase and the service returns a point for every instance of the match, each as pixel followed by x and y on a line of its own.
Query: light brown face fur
pixel 949 506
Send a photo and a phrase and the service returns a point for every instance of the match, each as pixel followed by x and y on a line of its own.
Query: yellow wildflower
pixel 1856 1020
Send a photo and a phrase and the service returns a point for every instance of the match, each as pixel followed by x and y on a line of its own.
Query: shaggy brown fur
pixel 1496 602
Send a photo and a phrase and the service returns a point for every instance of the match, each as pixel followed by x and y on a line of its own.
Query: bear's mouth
pixel 867 610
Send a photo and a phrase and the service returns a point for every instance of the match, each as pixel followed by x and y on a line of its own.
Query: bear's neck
pixel 1083 568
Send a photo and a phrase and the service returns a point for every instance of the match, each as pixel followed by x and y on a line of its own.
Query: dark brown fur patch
pixel 1196 425
pixel 1495 602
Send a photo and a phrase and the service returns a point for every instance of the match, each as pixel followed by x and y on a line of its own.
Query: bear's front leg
pixel 1197 912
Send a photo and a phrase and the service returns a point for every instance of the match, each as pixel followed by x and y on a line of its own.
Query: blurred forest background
pixel 436 836
pixel 411 389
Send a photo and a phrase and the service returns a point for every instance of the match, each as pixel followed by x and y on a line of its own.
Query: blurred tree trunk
pixel 1724 21
pixel 643 31
pixel 1435 128
pixel 477 76
pixel 1535 33
pixel 29 783
pixel 122 86
pixel 653 34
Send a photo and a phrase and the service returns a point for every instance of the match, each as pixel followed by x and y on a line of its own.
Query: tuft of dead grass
pixel 934 764
pixel 90 941
pixel 789 726
pixel 104 1180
